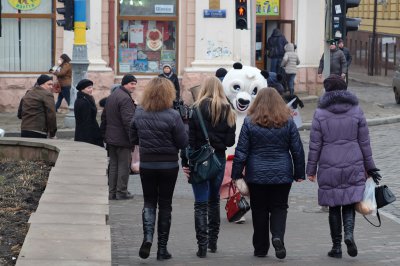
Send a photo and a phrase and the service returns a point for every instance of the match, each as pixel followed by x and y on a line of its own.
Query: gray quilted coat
pixel 270 155
pixel 290 59
pixel 339 149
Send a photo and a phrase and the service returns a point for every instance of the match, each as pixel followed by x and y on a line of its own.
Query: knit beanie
pixel 84 83
pixel 42 79
pixel 127 79
pixel 334 83
pixel 221 72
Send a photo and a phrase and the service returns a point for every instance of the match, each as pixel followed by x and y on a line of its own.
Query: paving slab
pixel 67 178
pixel 68 218
pixel 52 249
pixel 79 171
pixel 30 262
pixel 51 207
pixel 77 198
pixel 69 232
pixel 92 190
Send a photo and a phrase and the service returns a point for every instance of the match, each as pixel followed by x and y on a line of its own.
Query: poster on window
pixel 267 8
pixel 128 55
pixel 141 65
pixel 136 33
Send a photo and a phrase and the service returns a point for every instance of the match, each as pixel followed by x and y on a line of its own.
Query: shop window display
pixel 146 45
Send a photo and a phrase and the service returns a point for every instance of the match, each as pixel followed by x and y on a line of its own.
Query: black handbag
pixel 383 197
pixel 203 163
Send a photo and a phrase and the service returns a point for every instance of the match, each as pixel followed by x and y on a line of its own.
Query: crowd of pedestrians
pixel 269 154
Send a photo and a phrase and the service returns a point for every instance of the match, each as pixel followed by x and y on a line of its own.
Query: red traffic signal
pixel 241 14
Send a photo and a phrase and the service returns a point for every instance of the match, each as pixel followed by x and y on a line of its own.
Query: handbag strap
pixel 379 219
pixel 202 125
pixel 232 188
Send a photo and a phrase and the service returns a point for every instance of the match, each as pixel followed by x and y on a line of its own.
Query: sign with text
pixel 24 4
pixel 210 13
pixel 164 9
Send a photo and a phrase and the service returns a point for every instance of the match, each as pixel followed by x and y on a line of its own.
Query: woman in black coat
pixel 169 74
pixel 86 126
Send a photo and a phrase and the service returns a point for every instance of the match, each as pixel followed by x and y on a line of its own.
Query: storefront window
pixel 145 44
pixel 26 37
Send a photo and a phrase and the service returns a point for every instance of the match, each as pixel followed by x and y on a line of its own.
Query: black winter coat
pixel 160 135
pixel 270 155
pixel 174 79
pixel 86 126
pixel 221 136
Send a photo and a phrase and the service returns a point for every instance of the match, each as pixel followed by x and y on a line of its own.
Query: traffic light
pixel 68 12
pixel 241 14
pixel 341 24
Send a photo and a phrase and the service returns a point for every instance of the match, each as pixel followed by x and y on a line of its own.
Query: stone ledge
pixel 69 226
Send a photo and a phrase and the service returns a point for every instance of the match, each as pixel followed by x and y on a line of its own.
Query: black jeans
pixel 32 134
pixel 158 187
pixel 64 94
pixel 269 204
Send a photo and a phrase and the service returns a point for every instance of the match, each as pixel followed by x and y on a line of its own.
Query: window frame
pixel 50 16
pixel 120 18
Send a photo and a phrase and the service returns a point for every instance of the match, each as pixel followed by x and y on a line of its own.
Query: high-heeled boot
pixel 149 219
pixel 214 222
pixel 200 224
pixel 348 226
pixel 163 227
pixel 335 225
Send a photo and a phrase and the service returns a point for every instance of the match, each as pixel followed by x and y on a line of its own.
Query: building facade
pixel 195 37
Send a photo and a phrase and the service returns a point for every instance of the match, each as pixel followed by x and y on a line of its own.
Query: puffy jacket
pixel 38 112
pixel 116 118
pixel 270 155
pixel 290 59
pixel 221 136
pixel 64 75
pixel 340 149
pixel 159 135
pixel 86 126
pixel 276 44
pixel 338 63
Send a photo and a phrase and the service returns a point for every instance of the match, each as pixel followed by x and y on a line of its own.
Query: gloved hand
pixel 375 175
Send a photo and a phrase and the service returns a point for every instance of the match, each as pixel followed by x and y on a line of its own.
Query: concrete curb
pixel 370 82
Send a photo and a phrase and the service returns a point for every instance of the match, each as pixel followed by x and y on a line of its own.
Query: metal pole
pixel 253 33
pixel 373 41
pixel 80 60
pixel 328 35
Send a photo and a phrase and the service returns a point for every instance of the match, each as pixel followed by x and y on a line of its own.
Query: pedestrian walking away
pixel 64 77
pixel 289 63
pixel 159 131
pixel 275 49
pixel 270 151
pixel 86 126
pixel 340 158
pixel 115 126
pixel 36 109
pixel 220 122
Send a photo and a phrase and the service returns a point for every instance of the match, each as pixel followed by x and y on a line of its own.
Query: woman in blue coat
pixel 271 150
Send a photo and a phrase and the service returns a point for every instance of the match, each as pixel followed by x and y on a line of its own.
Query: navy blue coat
pixel 270 155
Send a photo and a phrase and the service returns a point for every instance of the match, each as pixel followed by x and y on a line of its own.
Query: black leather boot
pixel 149 219
pixel 163 227
pixel 214 222
pixel 349 215
pixel 335 225
pixel 200 224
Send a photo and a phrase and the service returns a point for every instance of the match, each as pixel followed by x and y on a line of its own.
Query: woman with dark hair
pixel 220 122
pixel 270 148
pixel 340 153
pixel 159 131
pixel 64 77
pixel 86 126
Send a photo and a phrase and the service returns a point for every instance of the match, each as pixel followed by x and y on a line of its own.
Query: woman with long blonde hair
pixel 270 148
pixel 159 131
pixel 220 122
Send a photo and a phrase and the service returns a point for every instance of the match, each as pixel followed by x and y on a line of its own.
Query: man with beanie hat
pixel 221 73
pixel 338 64
pixel 37 110
pixel 115 124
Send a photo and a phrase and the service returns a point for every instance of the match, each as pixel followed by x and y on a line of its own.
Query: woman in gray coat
pixel 340 149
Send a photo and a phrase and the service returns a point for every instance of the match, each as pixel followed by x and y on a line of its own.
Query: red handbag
pixel 237 205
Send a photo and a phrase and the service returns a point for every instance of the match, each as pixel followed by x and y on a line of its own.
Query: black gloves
pixel 375 175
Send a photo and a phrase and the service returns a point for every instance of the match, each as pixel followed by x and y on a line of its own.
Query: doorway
pixel 264 30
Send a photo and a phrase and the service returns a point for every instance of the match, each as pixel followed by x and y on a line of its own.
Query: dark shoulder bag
pixel 203 163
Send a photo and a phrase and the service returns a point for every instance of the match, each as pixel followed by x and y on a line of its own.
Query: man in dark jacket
pixel 37 110
pixel 276 49
pixel 338 62
pixel 115 120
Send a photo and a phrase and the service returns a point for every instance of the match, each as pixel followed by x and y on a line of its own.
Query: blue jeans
pixel 290 82
pixel 209 190
pixel 65 93
pixel 275 65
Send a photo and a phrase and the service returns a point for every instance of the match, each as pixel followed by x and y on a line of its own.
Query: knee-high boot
pixel 163 227
pixel 348 225
pixel 214 222
pixel 200 223
pixel 335 225
pixel 149 219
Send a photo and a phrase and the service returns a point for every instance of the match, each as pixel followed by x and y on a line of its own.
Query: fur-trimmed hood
pixel 337 101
